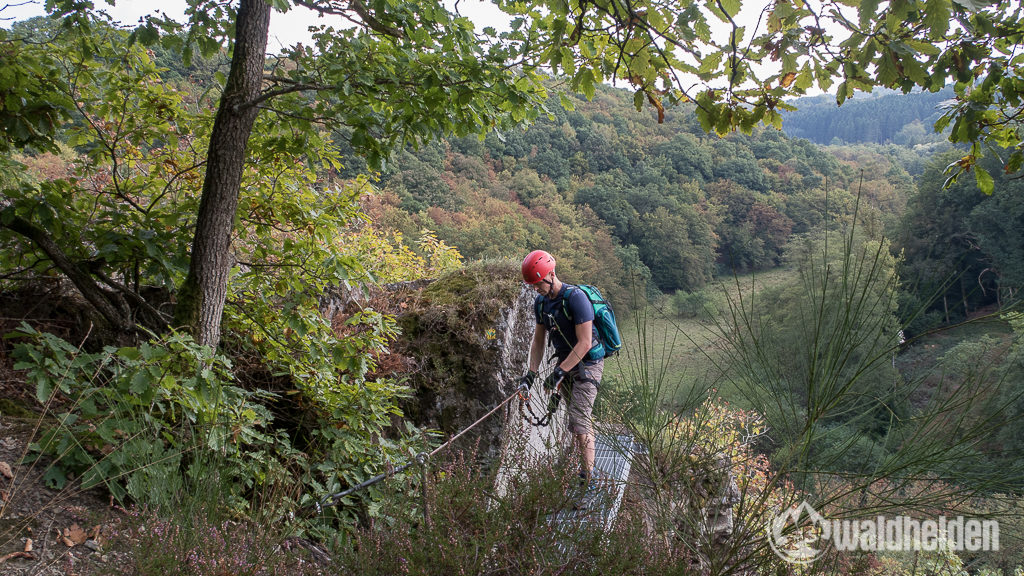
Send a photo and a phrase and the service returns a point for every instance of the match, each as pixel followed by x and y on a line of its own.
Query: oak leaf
pixel 75 535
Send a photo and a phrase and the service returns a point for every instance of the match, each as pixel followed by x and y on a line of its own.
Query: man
pixel 565 318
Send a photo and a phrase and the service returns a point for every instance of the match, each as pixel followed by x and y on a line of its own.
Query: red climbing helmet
pixel 536 266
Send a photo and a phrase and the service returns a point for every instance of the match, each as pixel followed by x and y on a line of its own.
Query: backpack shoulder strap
pixel 565 301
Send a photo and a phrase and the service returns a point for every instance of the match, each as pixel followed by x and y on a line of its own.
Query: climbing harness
pixel 421 459
pixel 525 407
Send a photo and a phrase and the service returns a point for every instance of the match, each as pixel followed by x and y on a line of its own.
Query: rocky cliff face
pixel 464 344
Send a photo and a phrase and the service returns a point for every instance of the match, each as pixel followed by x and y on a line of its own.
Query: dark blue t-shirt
pixel 562 330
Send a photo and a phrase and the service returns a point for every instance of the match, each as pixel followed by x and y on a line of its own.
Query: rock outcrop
pixel 464 344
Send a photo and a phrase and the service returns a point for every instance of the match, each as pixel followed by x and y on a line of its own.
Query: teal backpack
pixel 609 342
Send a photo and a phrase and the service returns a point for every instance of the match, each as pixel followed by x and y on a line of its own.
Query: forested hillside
pixel 884 117
pixel 623 199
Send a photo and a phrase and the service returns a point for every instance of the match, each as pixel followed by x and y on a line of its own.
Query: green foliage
pixel 815 351
pixel 751 231
pixel 33 105
pixel 990 360
pixel 291 254
pixel 132 410
pixel 125 213
pixel 743 73
pixel 995 223
pixel 355 79
pixel 166 418
pixel 462 85
pixel 677 247
pixel 705 304
pixel 689 158
pixel 820 356
pixel 136 177
pixel 960 246
pixel 116 213
pixel 508 206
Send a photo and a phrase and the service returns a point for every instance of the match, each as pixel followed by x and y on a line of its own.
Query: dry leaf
pixel 75 535
pixel 5 495
pixel 27 555
pixel 5 470
pixel 65 541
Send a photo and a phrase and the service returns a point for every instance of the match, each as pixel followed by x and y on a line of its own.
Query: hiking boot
pixel 589 490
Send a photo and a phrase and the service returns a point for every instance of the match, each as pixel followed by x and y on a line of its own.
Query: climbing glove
pixel 556 376
pixel 553 401
pixel 526 382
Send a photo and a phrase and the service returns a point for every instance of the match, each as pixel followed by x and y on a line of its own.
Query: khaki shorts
pixel 586 377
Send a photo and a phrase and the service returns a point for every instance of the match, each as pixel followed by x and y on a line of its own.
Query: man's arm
pixel 537 347
pixel 584 339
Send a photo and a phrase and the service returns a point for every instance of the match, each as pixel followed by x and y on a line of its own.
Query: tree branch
pixel 134 297
pixel 82 280
pixel 298 87
pixel 356 6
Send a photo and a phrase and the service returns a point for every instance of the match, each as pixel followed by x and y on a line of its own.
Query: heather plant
pixel 470 529
pixel 199 546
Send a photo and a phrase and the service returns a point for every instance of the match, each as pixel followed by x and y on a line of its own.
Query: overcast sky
pixel 285 29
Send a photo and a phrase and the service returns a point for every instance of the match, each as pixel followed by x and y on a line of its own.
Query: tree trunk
pixel 201 298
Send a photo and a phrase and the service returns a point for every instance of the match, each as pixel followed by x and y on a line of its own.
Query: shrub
pixel 474 530
pixel 701 304
pixel 127 415
pixel 152 422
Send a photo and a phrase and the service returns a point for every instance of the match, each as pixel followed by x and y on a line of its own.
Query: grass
pixel 680 350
